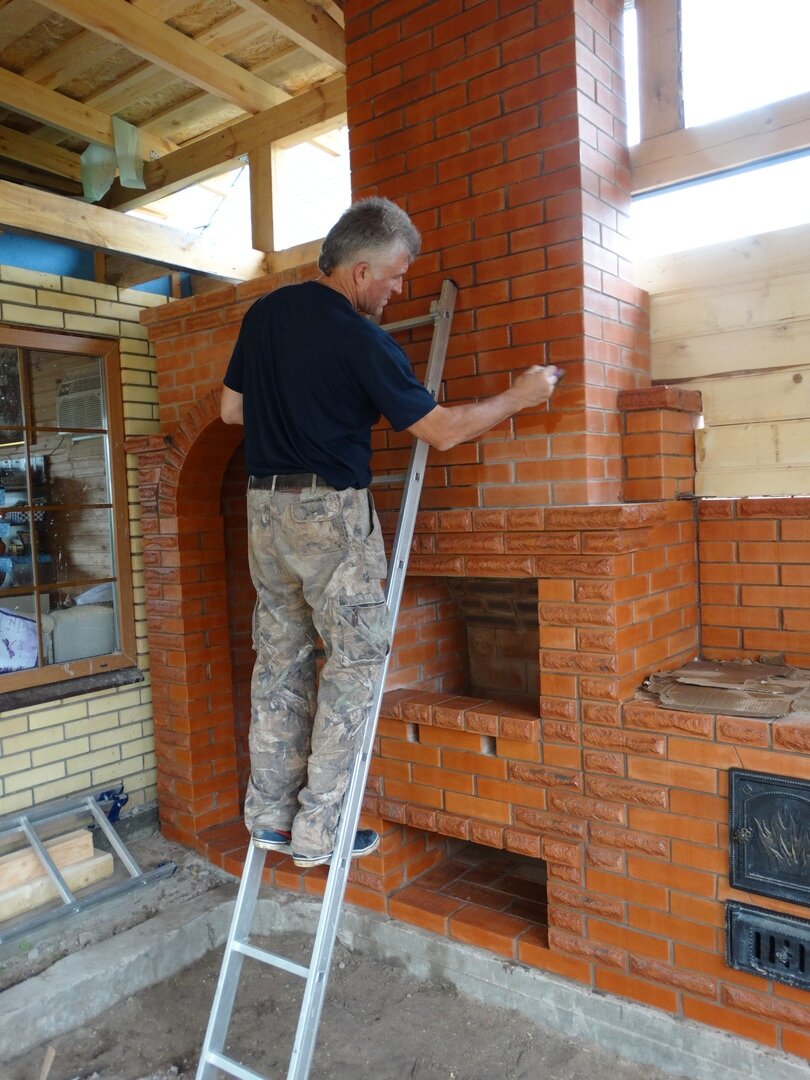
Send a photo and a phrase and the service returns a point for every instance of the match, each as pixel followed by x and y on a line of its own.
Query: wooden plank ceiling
pixel 208 84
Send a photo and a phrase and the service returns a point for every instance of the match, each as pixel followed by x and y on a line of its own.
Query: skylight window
pixel 756 200
pixel 311 188
pixel 741 54
pixel 737 55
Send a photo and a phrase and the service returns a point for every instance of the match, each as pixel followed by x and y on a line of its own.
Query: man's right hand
pixel 448 425
pixel 536 384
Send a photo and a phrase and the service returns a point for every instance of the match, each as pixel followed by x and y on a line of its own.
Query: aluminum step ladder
pixel 237 946
pixel 85 809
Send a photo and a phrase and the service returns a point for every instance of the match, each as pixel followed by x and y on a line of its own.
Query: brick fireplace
pixel 530 801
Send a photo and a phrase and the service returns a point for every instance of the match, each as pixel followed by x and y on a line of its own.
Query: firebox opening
pixel 497 881
pixel 502 637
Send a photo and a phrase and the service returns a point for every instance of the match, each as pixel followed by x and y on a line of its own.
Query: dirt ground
pixel 379 1022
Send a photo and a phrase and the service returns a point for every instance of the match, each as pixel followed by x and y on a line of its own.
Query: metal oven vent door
pixel 765 943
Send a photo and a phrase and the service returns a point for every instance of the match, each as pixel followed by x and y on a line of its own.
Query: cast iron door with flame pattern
pixel 770 835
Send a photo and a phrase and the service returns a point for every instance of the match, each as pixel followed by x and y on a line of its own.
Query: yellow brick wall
pixel 67 745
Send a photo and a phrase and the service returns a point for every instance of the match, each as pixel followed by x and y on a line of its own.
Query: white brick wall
pixel 64 746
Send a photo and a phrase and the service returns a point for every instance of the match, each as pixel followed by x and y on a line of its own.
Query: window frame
pixel 107 351
pixel 669 153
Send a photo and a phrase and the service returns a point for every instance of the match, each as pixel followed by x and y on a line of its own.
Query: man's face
pixel 378 278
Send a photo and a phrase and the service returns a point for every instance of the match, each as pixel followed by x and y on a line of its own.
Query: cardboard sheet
pixel 735 688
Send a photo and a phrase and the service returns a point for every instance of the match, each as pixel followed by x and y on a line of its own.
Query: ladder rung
pixel 233 1068
pixel 270 958
pixel 407 324
pixel 389 478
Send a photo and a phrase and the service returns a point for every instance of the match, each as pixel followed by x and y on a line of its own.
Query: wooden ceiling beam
pixel 145 79
pixel 44 214
pixel 205 110
pixel 24 174
pixel 39 155
pixel 306 25
pixel 18 19
pixel 138 83
pixel 732 143
pixel 62 64
pixel 124 271
pixel 217 153
pixel 151 38
pixel 333 9
pixel 58 111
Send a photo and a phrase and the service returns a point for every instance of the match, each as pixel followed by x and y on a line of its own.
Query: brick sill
pixel 481 716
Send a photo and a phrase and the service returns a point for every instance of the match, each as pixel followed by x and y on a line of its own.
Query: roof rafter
pixel 307 26
pixel 216 153
pixel 24 175
pixel 39 155
pixel 22 96
pixel 147 36
pixel 59 65
pixel 44 214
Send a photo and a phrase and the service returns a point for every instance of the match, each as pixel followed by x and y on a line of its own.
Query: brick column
pixel 658 442
pixel 500 128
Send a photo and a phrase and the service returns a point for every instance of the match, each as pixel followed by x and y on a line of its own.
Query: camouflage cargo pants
pixel 316 560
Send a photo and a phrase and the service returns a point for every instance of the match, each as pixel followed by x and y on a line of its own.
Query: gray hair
pixel 369 225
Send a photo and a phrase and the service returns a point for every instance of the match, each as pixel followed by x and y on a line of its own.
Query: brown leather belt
pixel 295 482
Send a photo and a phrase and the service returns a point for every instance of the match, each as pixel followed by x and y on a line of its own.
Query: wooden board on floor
pixel 39 891
pixel 21 866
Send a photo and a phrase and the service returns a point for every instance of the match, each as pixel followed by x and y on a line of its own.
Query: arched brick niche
pixel 180 478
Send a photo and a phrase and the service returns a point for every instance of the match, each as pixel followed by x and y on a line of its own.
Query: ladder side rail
pixel 403 537
pixel 312 1004
pixel 102 821
pixel 225 993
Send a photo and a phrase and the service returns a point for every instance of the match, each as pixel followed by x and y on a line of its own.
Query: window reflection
pixel 19 639
pixel 10 397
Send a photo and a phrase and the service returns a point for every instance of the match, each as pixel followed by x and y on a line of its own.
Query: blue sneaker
pixel 272 839
pixel 365 841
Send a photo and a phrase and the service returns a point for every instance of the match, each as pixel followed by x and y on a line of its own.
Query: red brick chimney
pixel 500 127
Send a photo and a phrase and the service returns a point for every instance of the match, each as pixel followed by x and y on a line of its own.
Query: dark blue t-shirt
pixel 315 376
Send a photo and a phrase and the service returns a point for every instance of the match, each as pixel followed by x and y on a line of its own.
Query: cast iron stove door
pixel 770 835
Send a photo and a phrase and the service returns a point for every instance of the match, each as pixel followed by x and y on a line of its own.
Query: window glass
pixel 740 54
pixel 311 187
pixel 753 201
pixel 59 589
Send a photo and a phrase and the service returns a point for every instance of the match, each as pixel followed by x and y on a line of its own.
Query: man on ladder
pixel 310 374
